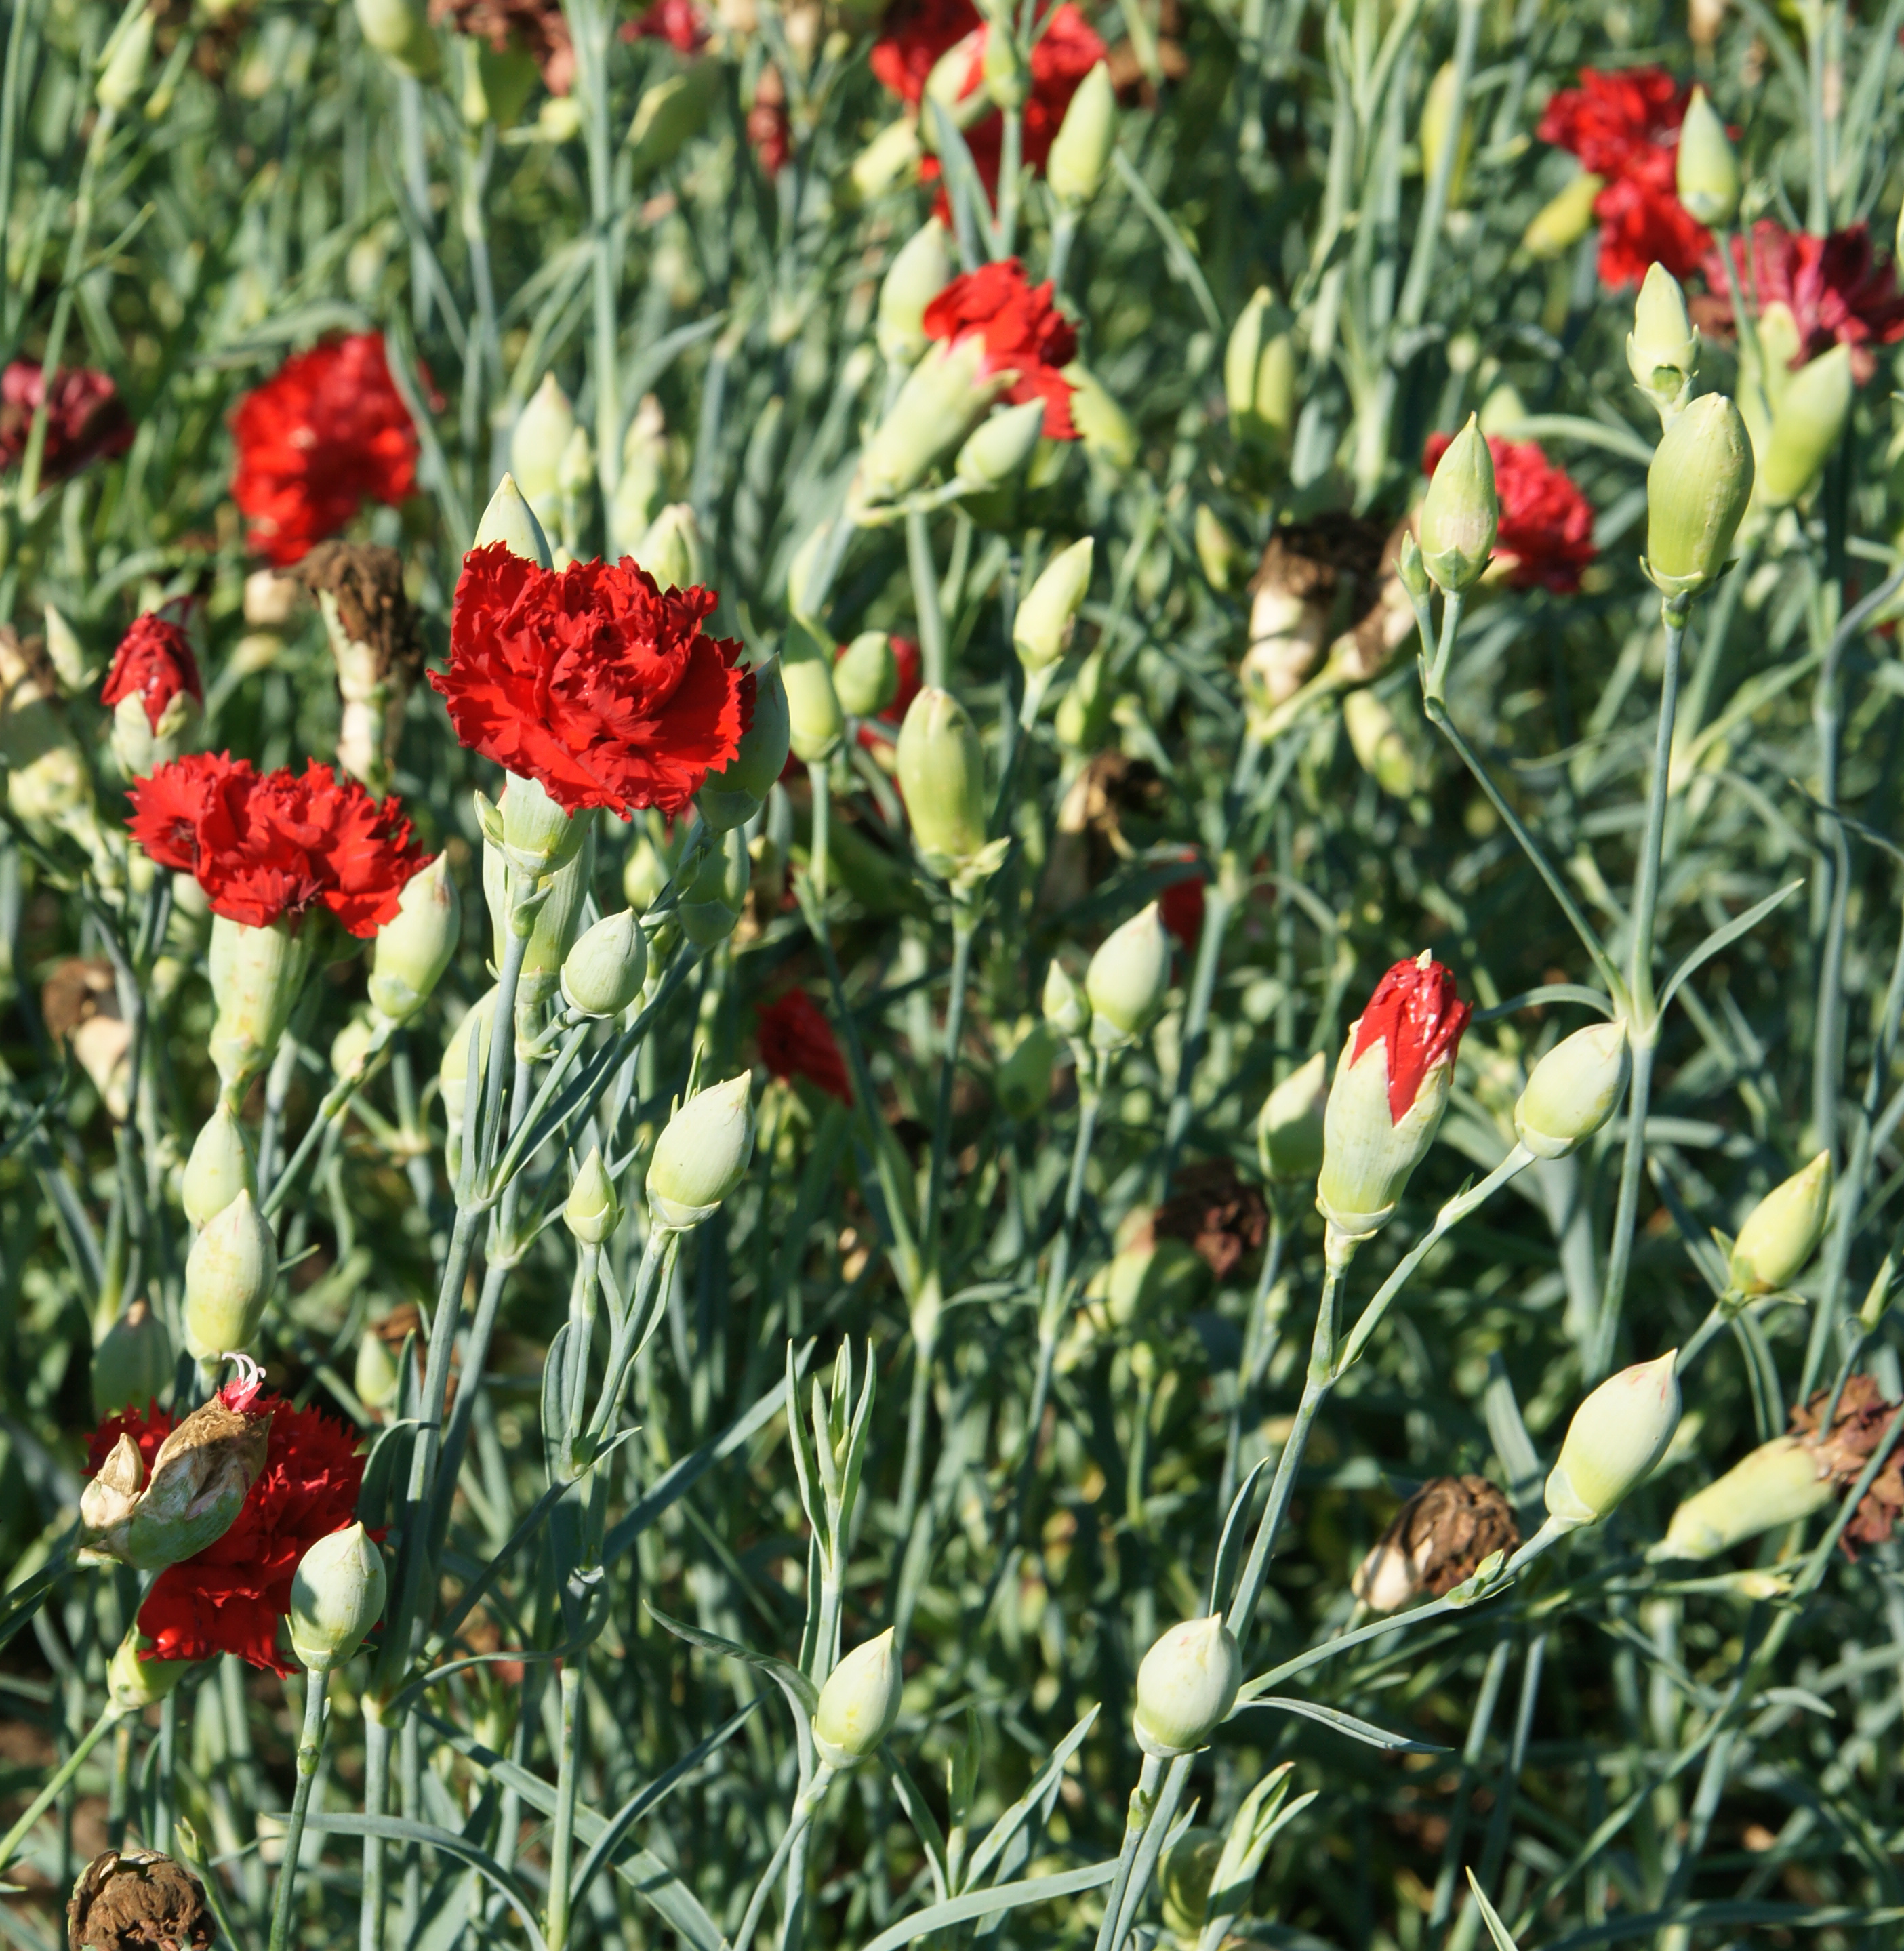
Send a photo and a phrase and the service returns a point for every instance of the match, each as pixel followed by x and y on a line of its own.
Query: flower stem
pixel 806 1804
pixel 820 773
pixel 376 1788
pixel 310 1747
pixel 1143 1806
pixel 925 600
pixel 561 1847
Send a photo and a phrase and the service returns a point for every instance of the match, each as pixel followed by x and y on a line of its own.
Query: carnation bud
pixel 133 1684
pixel 942 774
pixel 138 746
pixel 606 969
pixel 1066 1007
pixel 271 600
pixel 945 394
pixel 702 1154
pixel 1186 1687
pixel 1022 1083
pixel 127 59
pixel 553 927
pixel 350 1048
pixel 997 450
pixel 1562 221
pixel 671 114
pixel 1663 347
pixel 1041 632
pixel 510 520
pixel 376 1377
pixel 592 1211
pixel 536 828
pixel 453 1073
pixel 536 443
pixel 336 1597
pixel 1617 1435
pixel 1782 1231
pixel 1706 171
pixel 1085 709
pixel 644 457
pixel 1183 1879
pixel 1153 1280
pixel 1289 1127
pixel 1438 129
pixel 399 31
pixel 859 1703
pixel 1217 552
pixel 920 270
pixel 219 1169
pixel 1460 513
pixel 1806 425
pixel 670 549
pixel 1779 1483
pixel 65 653
pixel 414 946
pixel 1259 374
pixel 733 796
pixel 712 905
pixel 866 674
pixel 644 874
pixel 814 719
pixel 1127 978
pixel 1574 1090
pixel 891 157
pixel 256 974
pixel 1075 167
pixel 1697 488
pixel 229 1277
pixel 1104 429
pixel 132 1364
pixel 1780 350
pixel 1380 749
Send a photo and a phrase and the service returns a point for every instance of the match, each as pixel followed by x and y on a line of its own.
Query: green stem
pixel 964 925
pixel 310 1748
pixel 1141 1807
pixel 804 1807
pixel 56 1784
pixel 377 1789
pixel 820 775
pixel 561 1847
pixel 925 600
pixel 592 46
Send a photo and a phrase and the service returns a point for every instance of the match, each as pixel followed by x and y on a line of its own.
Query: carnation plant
pixel 951 975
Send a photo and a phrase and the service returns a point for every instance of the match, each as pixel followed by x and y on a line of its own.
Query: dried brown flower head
pixel 138 1897
pixel 1858 1427
pixel 1214 1212
pixel 536 26
pixel 365 581
pixel 1437 1540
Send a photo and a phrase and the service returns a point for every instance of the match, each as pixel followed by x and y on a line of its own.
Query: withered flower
pixel 1214 1212
pixel 80 1003
pixel 129 1898
pixel 376 643
pixel 1863 1416
pixel 1437 1540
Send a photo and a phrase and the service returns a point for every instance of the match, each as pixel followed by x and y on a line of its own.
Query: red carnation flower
pixel 1624 125
pixel 1834 286
pixel 268 848
pixel 1415 1010
pixel 1023 332
pixel 1181 904
pixel 327 431
pixel 231 1595
pixel 677 22
pixel 769 134
pixel 539 27
pixel 1546 537
pixel 592 681
pixel 86 421
pixel 796 1040
pixel 154 663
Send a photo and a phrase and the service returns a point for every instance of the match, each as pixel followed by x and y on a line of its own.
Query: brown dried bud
pixel 1318 583
pixel 375 642
pixel 133 1898
pixel 1858 1428
pixel 1214 1212
pixel 1437 1540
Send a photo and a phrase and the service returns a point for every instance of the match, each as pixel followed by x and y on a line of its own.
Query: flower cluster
pixel 1837 290
pixel 592 680
pixel 1415 1010
pixel 269 846
pixel 1624 125
pixel 796 1040
pixel 86 419
pixel 327 431
pixel 1546 534
pixel 154 664
pixel 1024 331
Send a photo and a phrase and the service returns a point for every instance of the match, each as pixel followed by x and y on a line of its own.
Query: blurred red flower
pixel 1023 332
pixel 270 847
pixel 796 1040
pixel 87 420
pixel 1181 903
pixel 1837 290
pixel 327 431
pixel 677 22
pixel 769 133
pixel 231 1595
pixel 154 663
pixel 592 681
pixel 1415 1010
pixel 1624 125
pixel 1546 537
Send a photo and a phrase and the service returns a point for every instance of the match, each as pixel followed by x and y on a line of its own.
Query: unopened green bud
pixel 399 31
pixel 1066 1006
pixel 1438 129
pixel 1023 1081
pixel 535 445
pixel 702 1154
pixel 575 472
pixel 670 549
pixel 510 520
pixel 996 451
pixel 944 396
pixel 256 975
pixel 1377 742
pixel 1706 171
pixel 1041 632
pixel 942 774
pixel 603 973
pixel 891 157
pixel 1216 548
pixel 1084 711
pixel 1617 1435
pixel 376 1376
pixel 1259 373
pixel 535 828
pixel 866 674
pixel 414 946
pixel 228 1276
pixel 592 1212
pixel 1128 978
pixel 1562 221
pixel 219 1169
pixel 918 273
pixel 1082 151
pixel 1781 346
pixel 711 905
pixel 1289 1127
pixel 128 59
pixel 1663 347
pixel 1104 429
pixel 1186 1687
pixel 1574 1089
pixel 1780 1483
pixel 1806 425
pixel 671 114
pixel 815 722
pixel 65 653
pixel 133 1684
pixel 337 1595
pixel 644 874
pixel 1460 513
pixel 1783 1231
pixel 556 922
pixel 132 1366
pixel 1154 1280
pixel 453 1073
pixel 138 746
pixel 859 1704
pixel 1697 488
pixel 351 1047
pixel 733 796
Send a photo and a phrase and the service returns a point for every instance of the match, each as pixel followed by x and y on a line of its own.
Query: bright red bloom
pixel 154 663
pixel 591 680
pixel 1181 904
pixel 677 22
pixel 1023 332
pixel 1546 537
pixel 1837 290
pixel 231 1595
pixel 769 134
pixel 1624 125
pixel 86 421
pixel 270 847
pixel 327 431
pixel 1415 1011
pixel 796 1040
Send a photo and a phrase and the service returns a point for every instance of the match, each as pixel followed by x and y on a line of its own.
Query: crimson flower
pixel 796 1040
pixel 539 27
pixel 1181 903
pixel 769 134
pixel 154 663
pixel 1024 333
pixel 270 847
pixel 1835 289
pixel 592 681
pixel 1415 1009
pixel 327 431
pixel 230 1597
pixel 677 22
pixel 1624 125
pixel 87 420
pixel 1546 537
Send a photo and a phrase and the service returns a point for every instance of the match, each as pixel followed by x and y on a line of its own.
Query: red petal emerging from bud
pixel 154 662
pixel 1415 1010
